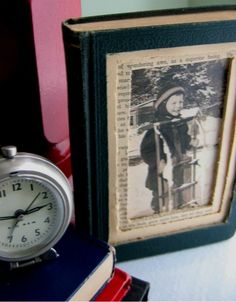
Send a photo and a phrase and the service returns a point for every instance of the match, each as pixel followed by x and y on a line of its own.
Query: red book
pixel 117 288
pixel 33 77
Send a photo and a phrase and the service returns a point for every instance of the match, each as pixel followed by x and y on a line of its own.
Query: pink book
pixel 33 77
pixel 47 16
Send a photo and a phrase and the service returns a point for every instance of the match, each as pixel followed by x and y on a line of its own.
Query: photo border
pixel 218 216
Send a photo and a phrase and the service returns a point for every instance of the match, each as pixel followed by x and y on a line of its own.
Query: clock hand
pixel 35 209
pixel 32 202
pixel 19 216
pixel 7 217
pixel 18 213
pixel 24 212
pixel 21 212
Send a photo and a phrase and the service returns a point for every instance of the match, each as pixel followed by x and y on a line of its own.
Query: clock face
pixel 31 214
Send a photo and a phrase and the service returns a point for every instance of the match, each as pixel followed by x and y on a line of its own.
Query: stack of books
pixel 84 271
pixel 124 287
pixel 86 267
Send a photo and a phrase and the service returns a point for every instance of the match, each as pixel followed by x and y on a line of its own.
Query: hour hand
pixel 35 209
pixel 24 212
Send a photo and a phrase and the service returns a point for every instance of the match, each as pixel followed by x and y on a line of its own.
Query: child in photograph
pixel 171 129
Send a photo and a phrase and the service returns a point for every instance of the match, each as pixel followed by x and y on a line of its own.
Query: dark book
pixel 151 113
pixel 124 287
pixel 83 268
pixel 138 291
pixel 18 80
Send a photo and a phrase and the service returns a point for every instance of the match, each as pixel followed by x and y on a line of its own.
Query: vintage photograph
pixel 171 123
pixel 175 122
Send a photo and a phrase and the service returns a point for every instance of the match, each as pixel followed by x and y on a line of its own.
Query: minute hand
pixel 7 217
pixel 29 206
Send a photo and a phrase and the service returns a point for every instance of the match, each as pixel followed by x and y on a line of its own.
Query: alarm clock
pixel 36 206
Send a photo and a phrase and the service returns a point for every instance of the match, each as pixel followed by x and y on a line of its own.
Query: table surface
pixel 206 273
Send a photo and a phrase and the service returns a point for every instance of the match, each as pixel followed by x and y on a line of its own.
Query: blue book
pixel 82 269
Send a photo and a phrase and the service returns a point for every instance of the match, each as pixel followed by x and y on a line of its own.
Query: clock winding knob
pixel 9 151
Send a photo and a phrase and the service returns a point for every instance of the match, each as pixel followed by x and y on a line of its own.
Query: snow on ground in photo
pixel 139 197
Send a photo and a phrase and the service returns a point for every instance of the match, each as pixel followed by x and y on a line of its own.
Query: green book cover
pixel 152 127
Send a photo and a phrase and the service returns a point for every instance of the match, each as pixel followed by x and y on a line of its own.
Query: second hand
pixel 20 214
pixel 19 218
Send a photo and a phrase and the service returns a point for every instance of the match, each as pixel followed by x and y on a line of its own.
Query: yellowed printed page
pixel 171 116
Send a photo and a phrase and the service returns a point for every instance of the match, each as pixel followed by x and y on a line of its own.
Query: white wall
pixel 100 7
pixel 210 2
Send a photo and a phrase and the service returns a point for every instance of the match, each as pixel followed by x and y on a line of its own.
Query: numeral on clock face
pixel 16 187
pixel 28 213
pixel 45 195
pixel 2 193
pixel 35 205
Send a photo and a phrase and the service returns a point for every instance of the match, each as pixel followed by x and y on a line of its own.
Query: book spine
pixel 76 58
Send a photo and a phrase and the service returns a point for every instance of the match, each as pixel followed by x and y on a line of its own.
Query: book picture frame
pixel 168 164
pixel 124 69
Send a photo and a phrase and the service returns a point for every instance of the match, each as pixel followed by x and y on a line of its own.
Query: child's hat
pixel 168 93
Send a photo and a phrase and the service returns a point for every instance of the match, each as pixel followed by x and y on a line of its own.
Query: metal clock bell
pixel 36 206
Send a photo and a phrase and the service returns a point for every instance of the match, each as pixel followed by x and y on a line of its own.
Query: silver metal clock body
pixel 36 205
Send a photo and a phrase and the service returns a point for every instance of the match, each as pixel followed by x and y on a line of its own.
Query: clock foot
pixel 9 266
